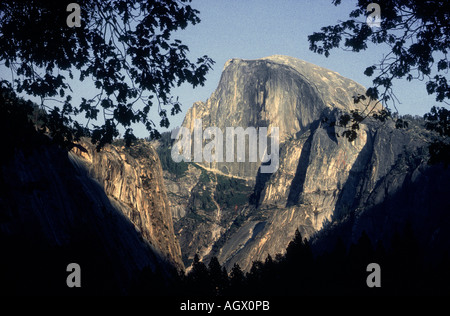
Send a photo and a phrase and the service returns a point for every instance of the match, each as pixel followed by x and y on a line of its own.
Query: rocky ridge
pixel 322 177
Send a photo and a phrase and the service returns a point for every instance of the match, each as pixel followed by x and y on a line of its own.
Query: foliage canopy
pixel 124 47
pixel 416 34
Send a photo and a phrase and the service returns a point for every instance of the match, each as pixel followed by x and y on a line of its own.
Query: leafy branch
pixel 124 47
pixel 415 32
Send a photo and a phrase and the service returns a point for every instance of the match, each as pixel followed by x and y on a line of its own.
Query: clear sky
pixel 251 29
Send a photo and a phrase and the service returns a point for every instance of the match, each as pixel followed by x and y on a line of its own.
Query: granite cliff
pixel 276 91
pixel 232 211
pixel 132 179
pixel 106 211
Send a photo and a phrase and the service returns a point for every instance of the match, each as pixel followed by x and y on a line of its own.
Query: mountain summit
pixel 276 91
pixel 238 214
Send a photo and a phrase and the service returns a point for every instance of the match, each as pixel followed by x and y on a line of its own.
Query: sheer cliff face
pixel 107 212
pixel 321 175
pixel 276 91
pixel 132 179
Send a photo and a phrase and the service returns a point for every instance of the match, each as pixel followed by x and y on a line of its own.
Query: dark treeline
pixel 343 271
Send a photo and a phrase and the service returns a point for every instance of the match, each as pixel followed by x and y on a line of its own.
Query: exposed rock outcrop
pixel 322 177
pixel 132 178
pixel 276 91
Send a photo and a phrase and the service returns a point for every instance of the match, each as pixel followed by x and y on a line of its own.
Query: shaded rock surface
pixel 322 178
pixel 105 211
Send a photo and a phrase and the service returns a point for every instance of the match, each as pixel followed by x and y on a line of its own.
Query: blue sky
pixel 251 29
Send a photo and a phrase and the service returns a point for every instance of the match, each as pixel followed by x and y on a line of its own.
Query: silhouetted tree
pixel 255 278
pixel 416 35
pixel 218 277
pixel 294 248
pixel 237 281
pixel 124 47
pixel 438 120
pixel 339 272
pixel 198 281
pixel 299 252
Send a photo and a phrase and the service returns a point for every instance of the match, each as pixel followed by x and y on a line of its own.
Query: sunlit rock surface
pixel 322 177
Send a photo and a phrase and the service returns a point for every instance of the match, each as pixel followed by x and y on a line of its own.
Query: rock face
pixel 107 212
pixel 276 91
pixel 132 179
pixel 321 179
